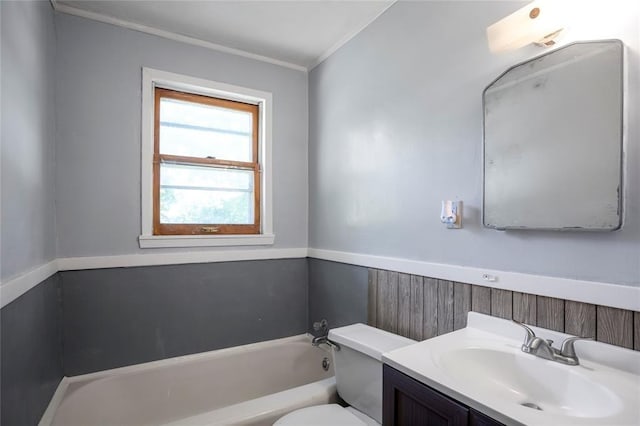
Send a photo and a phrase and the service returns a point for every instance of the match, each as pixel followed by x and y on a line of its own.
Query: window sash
pixel 204 228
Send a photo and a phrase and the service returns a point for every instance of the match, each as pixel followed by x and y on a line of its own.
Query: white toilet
pixel 358 368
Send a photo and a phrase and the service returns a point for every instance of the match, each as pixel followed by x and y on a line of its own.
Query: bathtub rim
pixel 297 396
pixel 61 390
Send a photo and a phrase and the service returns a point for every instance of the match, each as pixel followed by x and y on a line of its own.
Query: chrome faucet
pixel 317 341
pixel 543 348
pixel 323 326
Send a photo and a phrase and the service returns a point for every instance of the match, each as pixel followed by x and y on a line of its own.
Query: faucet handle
pixel 567 349
pixel 529 338
pixel 321 325
pixel 530 334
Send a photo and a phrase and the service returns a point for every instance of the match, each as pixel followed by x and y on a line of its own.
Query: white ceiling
pixel 300 33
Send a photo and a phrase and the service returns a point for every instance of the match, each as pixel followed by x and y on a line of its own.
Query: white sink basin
pixel 537 384
pixel 483 367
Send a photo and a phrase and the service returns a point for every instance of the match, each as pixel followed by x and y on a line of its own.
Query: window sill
pixel 164 241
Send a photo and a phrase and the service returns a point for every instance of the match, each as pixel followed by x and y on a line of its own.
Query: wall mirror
pixel 553 141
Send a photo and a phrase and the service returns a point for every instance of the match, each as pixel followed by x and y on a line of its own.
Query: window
pixel 206 179
pixel 206 172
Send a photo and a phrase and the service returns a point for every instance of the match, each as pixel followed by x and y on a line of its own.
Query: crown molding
pixel 62 8
pixel 347 38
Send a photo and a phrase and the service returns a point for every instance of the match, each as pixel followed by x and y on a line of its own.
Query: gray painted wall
pixel 337 292
pixel 98 101
pixel 27 137
pixel 31 353
pixel 396 127
pixel 122 316
pixel 30 326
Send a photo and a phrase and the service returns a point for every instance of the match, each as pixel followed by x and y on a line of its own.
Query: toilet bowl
pixel 358 368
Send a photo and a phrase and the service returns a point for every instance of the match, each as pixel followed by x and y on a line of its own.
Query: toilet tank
pixel 358 365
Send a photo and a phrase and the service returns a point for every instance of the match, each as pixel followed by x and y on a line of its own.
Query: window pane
pixel 194 194
pixel 197 130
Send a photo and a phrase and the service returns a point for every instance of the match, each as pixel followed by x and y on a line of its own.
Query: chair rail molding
pixel 16 286
pixel 599 293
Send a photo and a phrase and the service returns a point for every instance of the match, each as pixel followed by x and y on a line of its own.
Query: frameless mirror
pixel 553 141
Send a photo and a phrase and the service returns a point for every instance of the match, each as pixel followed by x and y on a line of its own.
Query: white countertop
pixel 483 367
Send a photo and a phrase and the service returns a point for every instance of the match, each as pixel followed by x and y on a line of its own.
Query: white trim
pixel 17 286
pixel 320 59
pixel 11 289
pixel 155 78
pixel 154 259
pixel 166 241
pixel 63 8
pixel 599 293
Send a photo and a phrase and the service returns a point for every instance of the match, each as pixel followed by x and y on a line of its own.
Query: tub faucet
pixel 323 326
pixel 542 348
pixel 317 341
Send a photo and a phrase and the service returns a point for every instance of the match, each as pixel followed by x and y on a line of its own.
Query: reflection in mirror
pixel 553 141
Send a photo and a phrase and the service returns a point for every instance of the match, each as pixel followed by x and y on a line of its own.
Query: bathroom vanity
pixel 479 375
pixel 406 401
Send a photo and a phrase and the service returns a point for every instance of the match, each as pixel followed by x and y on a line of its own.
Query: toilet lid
pixel 321 415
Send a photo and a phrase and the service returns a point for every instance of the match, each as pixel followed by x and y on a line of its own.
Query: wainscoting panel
pixel 614 326
pixel 501 303
pixel 416 307
pixel 372 305
pixel 337 293
pixel 481 299
pixel 580 319
pixel 387 300
pixel 122 316
pixel 550 313
pixel 430 323
pixel 525 308
pixel 636 331
pixel 423 307
pixel 461 304
pixel 404 304
pixel 445 306
pixel 31 353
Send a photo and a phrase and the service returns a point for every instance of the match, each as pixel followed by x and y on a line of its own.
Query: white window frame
pixel 152 78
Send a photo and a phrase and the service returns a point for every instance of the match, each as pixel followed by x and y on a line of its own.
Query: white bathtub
pixel 249 385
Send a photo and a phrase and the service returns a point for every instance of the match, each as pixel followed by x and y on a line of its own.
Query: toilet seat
pixel 325 415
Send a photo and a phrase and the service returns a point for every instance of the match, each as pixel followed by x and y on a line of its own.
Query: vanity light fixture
pixel 539 22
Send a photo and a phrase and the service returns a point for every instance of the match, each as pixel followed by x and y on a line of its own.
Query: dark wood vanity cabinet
pixel 407 402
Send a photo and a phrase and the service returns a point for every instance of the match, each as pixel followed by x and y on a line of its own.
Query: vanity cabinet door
pixel 408 402
pixel 478 419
